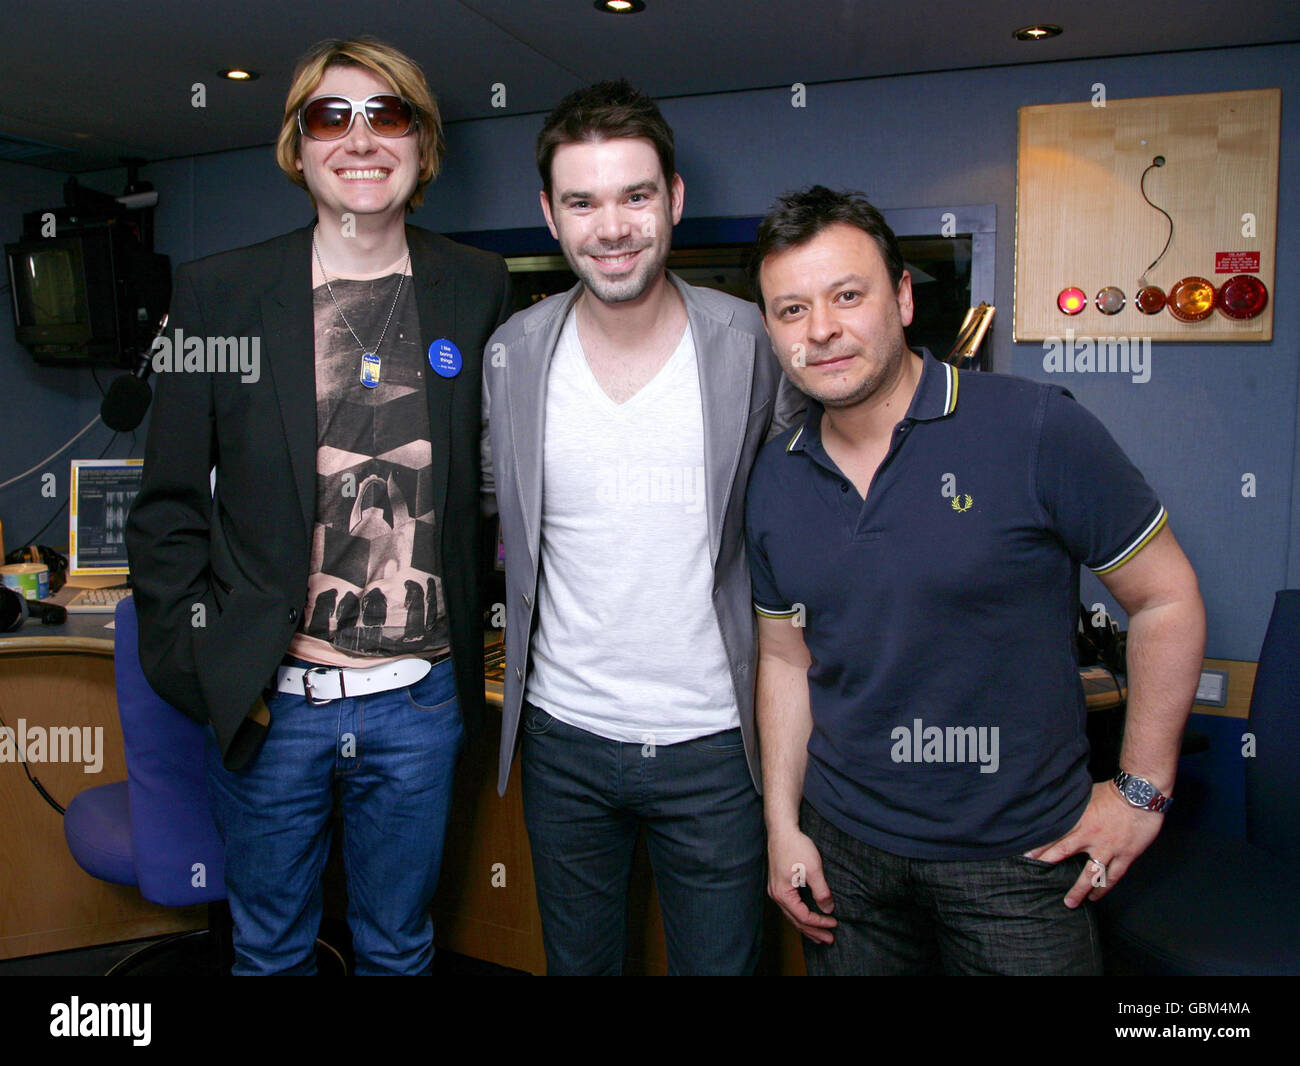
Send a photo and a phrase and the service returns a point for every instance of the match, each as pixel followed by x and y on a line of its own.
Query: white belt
pixel 320 684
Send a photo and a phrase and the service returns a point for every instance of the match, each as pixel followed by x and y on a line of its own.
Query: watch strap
pixel 1158 803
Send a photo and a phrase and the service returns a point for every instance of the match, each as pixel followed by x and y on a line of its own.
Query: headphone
pixel 15 607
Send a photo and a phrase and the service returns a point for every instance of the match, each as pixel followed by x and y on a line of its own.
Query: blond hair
pixel 401 73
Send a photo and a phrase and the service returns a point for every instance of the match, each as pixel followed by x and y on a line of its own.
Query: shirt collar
pixel 935 397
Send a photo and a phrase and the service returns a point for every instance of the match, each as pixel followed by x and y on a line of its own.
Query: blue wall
pixel 1209 414
pixel 40 407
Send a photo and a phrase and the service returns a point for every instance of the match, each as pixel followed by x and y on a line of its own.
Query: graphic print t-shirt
pixel 375 584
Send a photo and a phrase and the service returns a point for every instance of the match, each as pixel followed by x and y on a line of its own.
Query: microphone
pixel 130 395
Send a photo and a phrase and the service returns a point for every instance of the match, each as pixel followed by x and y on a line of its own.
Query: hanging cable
pixel 1158 161
pixel 36 784
pixel 35 539
pixel 53 454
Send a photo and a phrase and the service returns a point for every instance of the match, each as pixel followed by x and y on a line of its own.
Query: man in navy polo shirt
pixel 915 547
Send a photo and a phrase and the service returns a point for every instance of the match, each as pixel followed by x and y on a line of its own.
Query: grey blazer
pixel 746 400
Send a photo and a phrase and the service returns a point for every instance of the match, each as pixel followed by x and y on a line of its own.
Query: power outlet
pixel 1212 690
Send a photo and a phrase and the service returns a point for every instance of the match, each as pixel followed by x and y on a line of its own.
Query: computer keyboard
pixel 96 600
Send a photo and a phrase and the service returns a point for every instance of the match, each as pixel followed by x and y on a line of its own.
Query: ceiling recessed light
pixel 619 7
pixel 1037 33
pixel 239 74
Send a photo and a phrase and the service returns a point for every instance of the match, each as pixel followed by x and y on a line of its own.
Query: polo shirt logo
pixel 948 489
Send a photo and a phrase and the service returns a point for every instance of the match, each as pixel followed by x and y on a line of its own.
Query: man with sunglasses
pixel 319 606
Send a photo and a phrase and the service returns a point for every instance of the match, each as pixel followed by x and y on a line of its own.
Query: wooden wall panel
pixel 1081 220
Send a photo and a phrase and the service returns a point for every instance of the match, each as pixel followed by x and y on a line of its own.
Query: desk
pixel 63 676
pixel 486 905
pixel 1102 690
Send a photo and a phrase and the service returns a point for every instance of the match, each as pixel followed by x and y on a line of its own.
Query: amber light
pixel 1150 300
pixel 1071 301
pixel 1242 296
pixel 1191 300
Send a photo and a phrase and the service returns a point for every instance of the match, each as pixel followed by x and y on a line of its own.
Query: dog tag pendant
pixel 369 369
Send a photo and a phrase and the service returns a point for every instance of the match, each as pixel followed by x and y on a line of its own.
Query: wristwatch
pixel 1141 793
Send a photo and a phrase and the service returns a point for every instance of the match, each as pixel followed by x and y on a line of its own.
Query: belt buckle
pixel 306 686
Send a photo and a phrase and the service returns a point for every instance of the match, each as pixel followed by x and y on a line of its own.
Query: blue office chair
pixel 1200 904
pixel 155 830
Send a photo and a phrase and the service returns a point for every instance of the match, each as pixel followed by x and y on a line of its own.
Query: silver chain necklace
pixel 369 357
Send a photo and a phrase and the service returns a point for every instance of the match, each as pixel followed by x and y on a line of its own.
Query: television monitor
pixel 87 295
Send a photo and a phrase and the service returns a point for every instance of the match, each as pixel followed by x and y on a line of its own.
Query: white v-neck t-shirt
pixel 627 644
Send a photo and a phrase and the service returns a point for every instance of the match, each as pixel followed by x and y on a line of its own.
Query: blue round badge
pixel 445 358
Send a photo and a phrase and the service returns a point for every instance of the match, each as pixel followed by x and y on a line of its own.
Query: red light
pixel 1242 296
pixel 1072 301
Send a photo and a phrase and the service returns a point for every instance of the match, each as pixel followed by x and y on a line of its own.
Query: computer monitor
pixel 99 500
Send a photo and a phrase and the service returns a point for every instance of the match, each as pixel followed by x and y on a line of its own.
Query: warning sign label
pixel 1236 262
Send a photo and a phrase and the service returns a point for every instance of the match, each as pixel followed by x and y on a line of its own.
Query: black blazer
pixel 244 554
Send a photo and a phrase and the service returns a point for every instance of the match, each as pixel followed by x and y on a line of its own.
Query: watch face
pixel 1139 792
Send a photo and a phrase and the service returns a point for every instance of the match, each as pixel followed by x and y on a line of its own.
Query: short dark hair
pixel 798 217
pixel 606 110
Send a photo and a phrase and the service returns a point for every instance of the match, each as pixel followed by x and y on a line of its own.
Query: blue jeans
pixel 391 757
pixel 585 798
pixel 900 916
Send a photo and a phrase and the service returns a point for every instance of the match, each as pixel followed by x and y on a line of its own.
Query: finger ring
pixel 1099 878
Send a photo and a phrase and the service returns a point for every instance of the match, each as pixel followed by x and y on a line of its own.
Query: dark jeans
pixel 584 799
pixel 917 916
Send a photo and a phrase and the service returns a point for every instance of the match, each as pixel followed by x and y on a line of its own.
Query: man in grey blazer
pixel 622 418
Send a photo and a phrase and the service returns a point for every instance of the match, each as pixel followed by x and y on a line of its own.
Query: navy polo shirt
pixel 940 612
